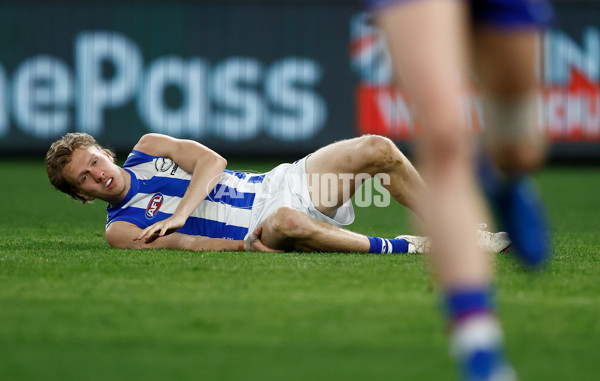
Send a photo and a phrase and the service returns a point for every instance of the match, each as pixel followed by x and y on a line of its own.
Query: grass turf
pixel 72 308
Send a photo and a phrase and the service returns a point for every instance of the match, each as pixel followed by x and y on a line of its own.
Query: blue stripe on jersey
pixel 177 187
pixel 231 196
pixel 256 178
pixel 138 157
pixel 132 218
pixel 168 186
pixel 242 175
pixel 212 229
pixel 193 225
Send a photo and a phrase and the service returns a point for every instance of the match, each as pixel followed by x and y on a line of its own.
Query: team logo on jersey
pixel 154 205
pixel 163 164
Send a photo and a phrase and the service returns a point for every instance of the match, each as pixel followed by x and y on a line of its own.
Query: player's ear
pixel 85 197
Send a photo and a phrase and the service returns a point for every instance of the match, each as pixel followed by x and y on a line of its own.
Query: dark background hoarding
pixel 242 77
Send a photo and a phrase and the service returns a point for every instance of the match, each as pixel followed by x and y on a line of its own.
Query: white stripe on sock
pixel 389 247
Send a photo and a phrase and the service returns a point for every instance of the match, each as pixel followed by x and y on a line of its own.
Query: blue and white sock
pixel 387 246
pixel 476 336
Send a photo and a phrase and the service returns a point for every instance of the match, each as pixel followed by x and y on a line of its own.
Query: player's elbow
pixel 216 162
pixel 220 161
pixel 119 242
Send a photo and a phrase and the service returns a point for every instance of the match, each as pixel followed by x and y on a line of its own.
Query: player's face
pixel 94 174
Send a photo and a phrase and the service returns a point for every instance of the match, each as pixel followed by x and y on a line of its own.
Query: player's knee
pixel 445 148
pixel 516 159
pixel 290 223
pixel 379 152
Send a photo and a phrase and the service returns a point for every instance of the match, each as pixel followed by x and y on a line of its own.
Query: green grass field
pixel 71 308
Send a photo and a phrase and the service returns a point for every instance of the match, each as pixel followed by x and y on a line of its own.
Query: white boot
pixel 488 242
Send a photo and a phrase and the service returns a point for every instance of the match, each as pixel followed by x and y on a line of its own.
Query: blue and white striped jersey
pixel 158 184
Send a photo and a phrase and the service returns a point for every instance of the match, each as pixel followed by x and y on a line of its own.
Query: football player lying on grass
pixel 176 194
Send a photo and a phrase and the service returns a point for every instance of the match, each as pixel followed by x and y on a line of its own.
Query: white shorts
pixel 286 185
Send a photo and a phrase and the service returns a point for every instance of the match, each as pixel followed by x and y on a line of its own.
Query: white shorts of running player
pixel 286 185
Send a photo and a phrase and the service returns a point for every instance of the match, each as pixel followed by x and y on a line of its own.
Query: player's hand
pixel 160 229
pixel 253 242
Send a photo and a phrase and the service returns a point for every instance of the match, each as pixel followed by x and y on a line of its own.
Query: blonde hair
pixel 59 156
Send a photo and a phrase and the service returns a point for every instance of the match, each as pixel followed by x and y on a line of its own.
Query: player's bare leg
pixel 428 44
pixel 370 154
pixel 430 66
pixel 508 69
pixel 292 230
pixel 507 65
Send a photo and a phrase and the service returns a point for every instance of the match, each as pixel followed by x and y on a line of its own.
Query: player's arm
pixel 205 165
pixel 121 234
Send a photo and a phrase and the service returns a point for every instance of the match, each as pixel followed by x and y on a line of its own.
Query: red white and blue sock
pixel 387 246
pixel 476 336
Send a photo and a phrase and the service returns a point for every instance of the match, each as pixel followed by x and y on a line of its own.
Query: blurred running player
pixel 431 42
